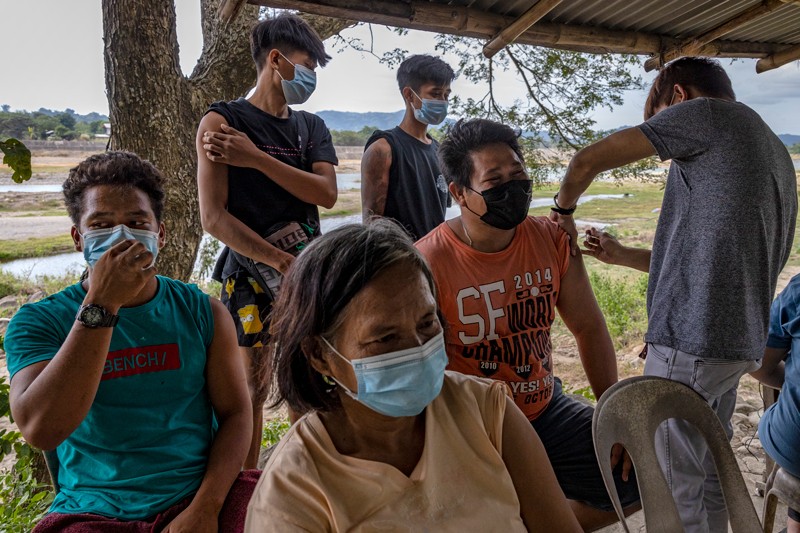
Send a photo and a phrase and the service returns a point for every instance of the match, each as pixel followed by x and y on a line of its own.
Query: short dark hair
pixel 417 70
pixel 288 33
pixel 466 136
pixel 119 169
pixel 705 75
pixel 323 280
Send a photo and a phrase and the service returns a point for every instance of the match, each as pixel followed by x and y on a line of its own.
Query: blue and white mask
pixel 432 112
pixel 299 89
pixel 99 241
pixel 400 383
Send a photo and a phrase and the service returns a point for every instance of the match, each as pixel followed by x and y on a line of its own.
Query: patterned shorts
pixel 250 307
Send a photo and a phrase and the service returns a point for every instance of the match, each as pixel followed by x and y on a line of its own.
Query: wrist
pixel 106 303
pixel 561 209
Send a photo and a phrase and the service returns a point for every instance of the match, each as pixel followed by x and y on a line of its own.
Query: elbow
pixel 581 166
pixel 41 435
pixel 329 200
pixel 209 220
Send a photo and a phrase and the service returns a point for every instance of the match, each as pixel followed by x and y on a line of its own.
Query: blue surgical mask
pixel 432 112
pixel 298 90
pixel 97 242
pixel 399 383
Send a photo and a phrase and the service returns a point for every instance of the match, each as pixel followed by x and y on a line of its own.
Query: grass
pixel 35 247
pixel 348 203
pixel 23 287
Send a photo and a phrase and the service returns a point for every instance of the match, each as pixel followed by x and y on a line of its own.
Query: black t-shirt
pixel 417 196
pixel 253 197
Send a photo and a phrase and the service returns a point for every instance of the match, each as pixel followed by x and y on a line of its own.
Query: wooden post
pixel 787 55
pixel 693 45
pixel 510 33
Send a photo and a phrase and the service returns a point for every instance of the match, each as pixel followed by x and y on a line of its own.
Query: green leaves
pixel 18 157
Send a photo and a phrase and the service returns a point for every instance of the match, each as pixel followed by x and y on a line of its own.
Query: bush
pixel 623 302
pixel 25 499
pixel 273 431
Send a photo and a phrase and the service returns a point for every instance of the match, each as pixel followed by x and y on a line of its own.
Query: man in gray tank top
pixel 400 176
pixel 724 234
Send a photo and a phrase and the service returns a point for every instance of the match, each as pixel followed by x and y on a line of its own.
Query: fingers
pixel 136 255
pixel 230 130
pixel 627 466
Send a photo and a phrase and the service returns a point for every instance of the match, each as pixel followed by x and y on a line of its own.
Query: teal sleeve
pixel 33 336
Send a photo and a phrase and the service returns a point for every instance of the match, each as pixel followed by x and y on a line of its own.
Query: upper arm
pixel 327 171
pixel 619 148
pixel 576 302
pixel 225 375
pixel 20 383
pixel 375 165
pixel 212 178
pixel 543 506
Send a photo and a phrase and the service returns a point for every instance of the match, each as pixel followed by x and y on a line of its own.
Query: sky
pixel 53 58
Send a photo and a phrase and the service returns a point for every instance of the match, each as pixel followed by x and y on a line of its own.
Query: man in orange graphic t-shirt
pixel 500 276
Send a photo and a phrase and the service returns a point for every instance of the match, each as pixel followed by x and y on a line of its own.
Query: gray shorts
pixel 565 428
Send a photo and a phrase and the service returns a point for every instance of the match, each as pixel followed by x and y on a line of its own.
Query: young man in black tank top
pixel 400 175
pixel 262 165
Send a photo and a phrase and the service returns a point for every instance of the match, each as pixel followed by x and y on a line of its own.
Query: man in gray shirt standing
pixel 724 234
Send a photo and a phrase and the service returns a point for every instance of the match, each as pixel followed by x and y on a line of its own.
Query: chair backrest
pixel 629 413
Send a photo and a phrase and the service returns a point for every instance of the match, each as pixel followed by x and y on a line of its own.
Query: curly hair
pixel 118 168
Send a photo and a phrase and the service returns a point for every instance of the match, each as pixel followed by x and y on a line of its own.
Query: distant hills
pixel 352 121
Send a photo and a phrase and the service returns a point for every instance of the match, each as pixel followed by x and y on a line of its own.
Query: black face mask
pixel 507 204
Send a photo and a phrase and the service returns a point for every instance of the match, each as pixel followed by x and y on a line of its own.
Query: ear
pixel 312 347
pixel 408 96
pixel 76 239
pixel 272 59
pixel 680 92
pixel 458 193
pixel 162 235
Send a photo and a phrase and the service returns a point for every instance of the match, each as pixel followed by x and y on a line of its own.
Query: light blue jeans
pixel 682 451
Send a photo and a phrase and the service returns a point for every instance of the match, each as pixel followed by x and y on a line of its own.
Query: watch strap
pixel 561 210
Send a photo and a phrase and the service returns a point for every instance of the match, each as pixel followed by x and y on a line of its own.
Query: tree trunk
pixel 155 109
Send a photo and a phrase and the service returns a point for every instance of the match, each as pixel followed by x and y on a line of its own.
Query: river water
pixel 56 265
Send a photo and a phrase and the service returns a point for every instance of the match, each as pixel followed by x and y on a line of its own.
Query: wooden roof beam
pixel 510 33
pixel 693 45
pixel 778 59
pixel 466 22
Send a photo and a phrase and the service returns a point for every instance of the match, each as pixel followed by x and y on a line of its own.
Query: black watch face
pixel 93 315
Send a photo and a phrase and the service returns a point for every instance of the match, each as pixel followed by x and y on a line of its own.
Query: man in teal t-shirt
pixel 128 375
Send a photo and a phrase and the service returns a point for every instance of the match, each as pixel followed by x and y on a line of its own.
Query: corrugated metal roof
pixel 654 27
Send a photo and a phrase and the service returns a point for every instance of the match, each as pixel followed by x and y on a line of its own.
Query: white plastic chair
pixel 629 413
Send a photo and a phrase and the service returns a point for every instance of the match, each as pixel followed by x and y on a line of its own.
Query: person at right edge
pixel 724 234
pixel 400 176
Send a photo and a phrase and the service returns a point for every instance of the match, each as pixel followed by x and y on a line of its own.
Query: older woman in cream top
pixel 390 441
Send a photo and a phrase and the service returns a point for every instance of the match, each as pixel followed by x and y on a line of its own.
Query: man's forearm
pixel 226 457
pixel 306 186
pixel 238 236
pixel 636 258
pixel 598 358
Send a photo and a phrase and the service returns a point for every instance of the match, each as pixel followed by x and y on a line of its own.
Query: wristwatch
pixel 96 316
